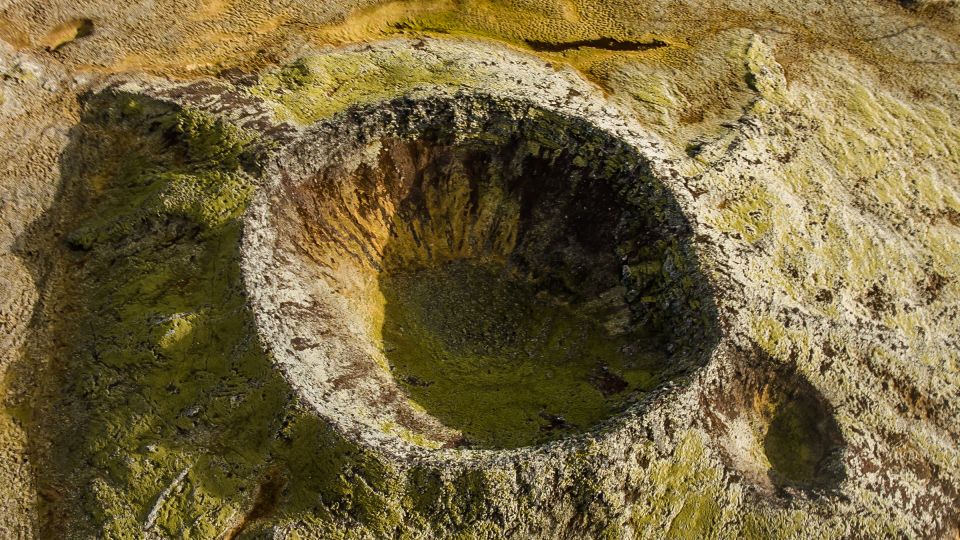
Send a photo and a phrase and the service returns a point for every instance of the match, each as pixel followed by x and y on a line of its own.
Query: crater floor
pixel 506 364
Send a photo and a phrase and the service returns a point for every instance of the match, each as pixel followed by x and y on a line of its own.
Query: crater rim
pixel 345 136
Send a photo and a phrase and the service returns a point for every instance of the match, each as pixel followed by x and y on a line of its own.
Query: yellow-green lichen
pixel 483 353
pixel 748 213
pixel 687 500
pixel 168 407
pixel 409 436
pixel 764 74
pixel 318 86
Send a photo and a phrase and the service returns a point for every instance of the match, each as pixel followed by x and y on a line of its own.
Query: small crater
pixel 776 428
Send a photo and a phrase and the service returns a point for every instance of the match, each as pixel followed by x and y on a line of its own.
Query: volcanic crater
pixel 473 272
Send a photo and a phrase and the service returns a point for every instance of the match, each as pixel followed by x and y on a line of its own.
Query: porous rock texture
pixel 196 331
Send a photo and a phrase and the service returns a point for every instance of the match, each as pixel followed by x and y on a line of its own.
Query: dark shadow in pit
pixel 801 440
pixel 761 407
pixel 538 279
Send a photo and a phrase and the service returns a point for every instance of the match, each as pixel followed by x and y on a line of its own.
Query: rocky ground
pixel 166 374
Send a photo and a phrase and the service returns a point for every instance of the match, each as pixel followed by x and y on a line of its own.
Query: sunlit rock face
pixel 478 273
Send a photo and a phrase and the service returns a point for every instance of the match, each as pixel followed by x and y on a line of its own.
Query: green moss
pixel 168 406
pixel 483 352
pixel 199 176
pixel 211 143
pixel 211 199
pixel 330 477
pixel 696 519
pixel 461 505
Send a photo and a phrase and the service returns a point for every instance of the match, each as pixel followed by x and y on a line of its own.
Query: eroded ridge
pixel 482 273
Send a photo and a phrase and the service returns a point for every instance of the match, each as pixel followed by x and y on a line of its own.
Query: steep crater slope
pixel 467 271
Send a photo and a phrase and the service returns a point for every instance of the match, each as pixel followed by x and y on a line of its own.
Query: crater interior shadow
pixel 537 279
pixel 775 427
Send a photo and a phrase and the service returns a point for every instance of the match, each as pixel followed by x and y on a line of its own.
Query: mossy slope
pixel 165 417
